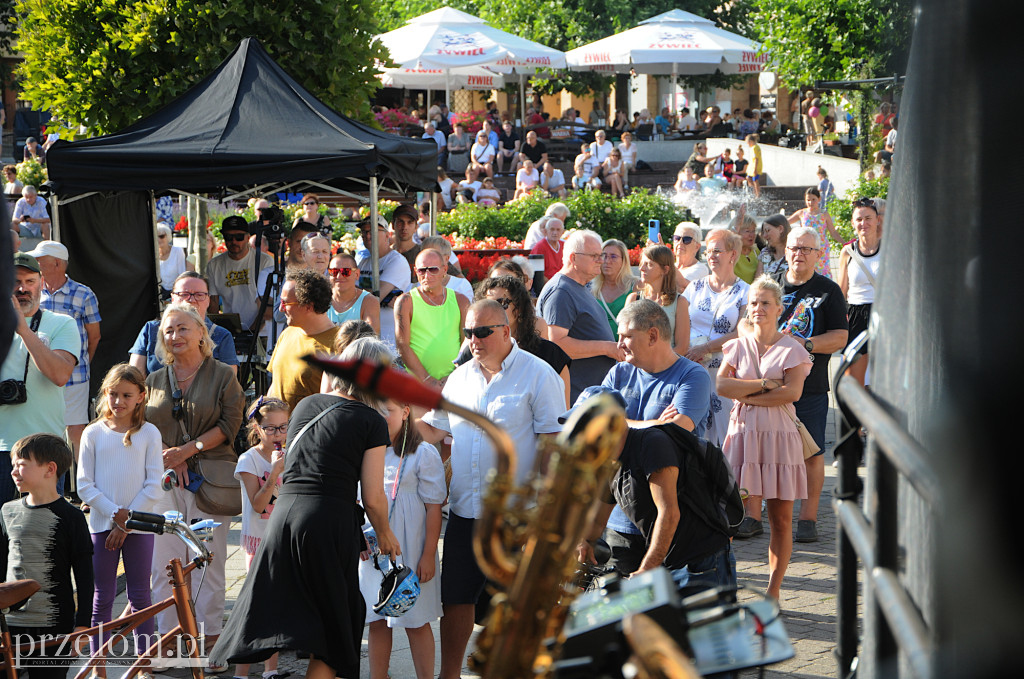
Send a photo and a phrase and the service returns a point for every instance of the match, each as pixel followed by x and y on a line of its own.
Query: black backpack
pixel 711 491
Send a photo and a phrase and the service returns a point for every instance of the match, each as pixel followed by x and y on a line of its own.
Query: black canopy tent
pixel 247 129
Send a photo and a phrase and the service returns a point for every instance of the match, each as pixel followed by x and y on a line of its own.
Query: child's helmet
pixel 398 590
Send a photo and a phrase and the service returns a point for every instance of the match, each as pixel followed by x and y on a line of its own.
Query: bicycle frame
pixel 180 599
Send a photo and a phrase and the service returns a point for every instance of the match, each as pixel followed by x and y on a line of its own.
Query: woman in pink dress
pixel 763 371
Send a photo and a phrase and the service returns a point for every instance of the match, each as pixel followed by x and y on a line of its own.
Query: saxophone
pixel 531 551
pixel 527 537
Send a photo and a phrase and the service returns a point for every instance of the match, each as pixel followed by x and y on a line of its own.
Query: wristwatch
pixel 199 445
pixel 809 345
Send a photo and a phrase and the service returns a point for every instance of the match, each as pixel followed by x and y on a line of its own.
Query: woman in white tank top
pixel 858 271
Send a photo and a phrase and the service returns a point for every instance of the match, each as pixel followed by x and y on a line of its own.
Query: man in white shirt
pixel 522 394
pixel 553 181
pixel 431 132
pixel 233 274
pixel 395 274
pixel 600 148
pixel 687 121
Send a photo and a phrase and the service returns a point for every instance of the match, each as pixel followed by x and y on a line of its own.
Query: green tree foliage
pixel 103 64
pixel 809 40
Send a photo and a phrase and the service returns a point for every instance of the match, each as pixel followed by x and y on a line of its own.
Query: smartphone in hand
pixel 653 230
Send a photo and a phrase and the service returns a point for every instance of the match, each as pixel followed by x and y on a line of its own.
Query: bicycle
pixel 194 536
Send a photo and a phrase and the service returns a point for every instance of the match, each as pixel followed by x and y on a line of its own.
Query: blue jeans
pixel 812 409
pixel 716 570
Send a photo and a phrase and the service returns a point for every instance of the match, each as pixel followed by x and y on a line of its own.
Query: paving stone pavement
pixel 808 596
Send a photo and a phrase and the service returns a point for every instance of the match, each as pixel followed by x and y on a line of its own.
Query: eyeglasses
pixel 275 430
pixel 310 202
pixel 686 239
pixel 716 252
pixel 424 270
pixel 284 303
pixel 162 236
pixel 481 331
pixel 610 256
pixel 228 237
pixel 505 302
pixel 191 296
pixel 597 257
pixel 177 410
pixel 803 250
pixel 344 271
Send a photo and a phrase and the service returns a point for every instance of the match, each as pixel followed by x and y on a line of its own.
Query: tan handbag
pixel 220 493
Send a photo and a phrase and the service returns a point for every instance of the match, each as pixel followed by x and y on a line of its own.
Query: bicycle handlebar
pixel 144 526
pixel 158 519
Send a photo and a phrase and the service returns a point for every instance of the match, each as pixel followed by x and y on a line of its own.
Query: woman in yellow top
pixel 748 265
pixel 429 321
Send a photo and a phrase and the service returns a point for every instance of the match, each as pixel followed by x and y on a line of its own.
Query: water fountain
pixel 718 209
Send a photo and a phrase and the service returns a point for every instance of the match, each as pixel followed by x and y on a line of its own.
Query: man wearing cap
pixel 395 274
pixel 652 484
pixel 42 357
pixel 520 393
pixel 31 218
pixel 233 274
pixel 658 386
pixel 62 295
pixel 404 222
pixel 33 151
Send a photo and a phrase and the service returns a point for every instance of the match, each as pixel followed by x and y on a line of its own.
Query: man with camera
pixel 40 362
pixel 233 274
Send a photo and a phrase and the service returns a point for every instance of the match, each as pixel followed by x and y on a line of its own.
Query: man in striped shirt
pixel 62 295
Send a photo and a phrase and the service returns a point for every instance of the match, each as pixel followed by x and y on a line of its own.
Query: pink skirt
pixel 765 452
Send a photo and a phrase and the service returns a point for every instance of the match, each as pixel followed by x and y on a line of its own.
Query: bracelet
pixel 764 385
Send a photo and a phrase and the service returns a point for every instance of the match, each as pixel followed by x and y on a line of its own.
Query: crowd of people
pixel 723 336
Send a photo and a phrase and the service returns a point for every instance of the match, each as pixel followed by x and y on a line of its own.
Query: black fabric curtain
pixel 8 319
pixel 110 239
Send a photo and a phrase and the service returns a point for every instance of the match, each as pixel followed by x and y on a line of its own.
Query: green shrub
pixel 622 218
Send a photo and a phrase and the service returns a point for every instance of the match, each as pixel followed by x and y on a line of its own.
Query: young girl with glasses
pixel 259 470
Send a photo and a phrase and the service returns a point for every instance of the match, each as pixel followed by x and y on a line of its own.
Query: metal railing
pixel 871 536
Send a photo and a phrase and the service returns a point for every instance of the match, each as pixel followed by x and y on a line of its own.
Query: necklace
pixel 343 305
pixel 192 374
pixel 425 297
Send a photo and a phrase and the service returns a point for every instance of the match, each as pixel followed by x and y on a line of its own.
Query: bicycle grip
pixel 144 526
pixel 147 517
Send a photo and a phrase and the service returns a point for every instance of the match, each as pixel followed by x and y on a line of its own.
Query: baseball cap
pixel 407 210
pixel 50 248
pixel 27 261
pixel 588 393
pixel 381 222
pixel 234 223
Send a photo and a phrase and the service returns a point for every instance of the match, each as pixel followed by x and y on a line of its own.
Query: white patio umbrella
pixel 449 39
pixel 673 43
pixel 467 77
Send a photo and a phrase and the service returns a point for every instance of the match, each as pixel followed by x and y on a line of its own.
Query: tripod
pixel 248 373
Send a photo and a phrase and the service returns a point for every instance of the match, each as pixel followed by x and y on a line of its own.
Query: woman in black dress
pixel 302 592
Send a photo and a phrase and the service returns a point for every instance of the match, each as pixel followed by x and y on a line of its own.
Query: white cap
pixel 50 248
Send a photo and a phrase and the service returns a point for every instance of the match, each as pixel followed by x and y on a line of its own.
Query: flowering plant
pixel 393 119
pixel 473 121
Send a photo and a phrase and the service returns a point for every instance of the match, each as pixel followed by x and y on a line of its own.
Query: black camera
pixel 270 222
pixel 13 392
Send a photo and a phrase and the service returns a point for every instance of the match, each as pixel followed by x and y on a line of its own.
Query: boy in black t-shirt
pixel 47 540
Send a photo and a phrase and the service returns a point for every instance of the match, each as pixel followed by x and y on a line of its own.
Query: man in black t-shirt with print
pixel 814 312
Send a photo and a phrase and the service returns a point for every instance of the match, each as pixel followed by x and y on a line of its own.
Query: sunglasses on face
pixel 344 271
pixel 310 202
pixel 234 237
pixel 424 270
pixel 481 331
pixel 505 302
pixel 686 239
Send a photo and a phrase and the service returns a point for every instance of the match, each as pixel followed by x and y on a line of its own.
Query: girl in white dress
pixel 414 481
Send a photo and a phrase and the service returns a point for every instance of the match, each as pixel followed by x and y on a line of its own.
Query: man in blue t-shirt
pixel 659 386
pixel 189 288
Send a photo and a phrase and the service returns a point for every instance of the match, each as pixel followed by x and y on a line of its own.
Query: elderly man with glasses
pixel 523 395
pixel 233 274
pixel 189 288
pixel 576 321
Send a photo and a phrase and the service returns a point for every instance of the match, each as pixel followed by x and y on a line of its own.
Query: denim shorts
pixel 812 409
